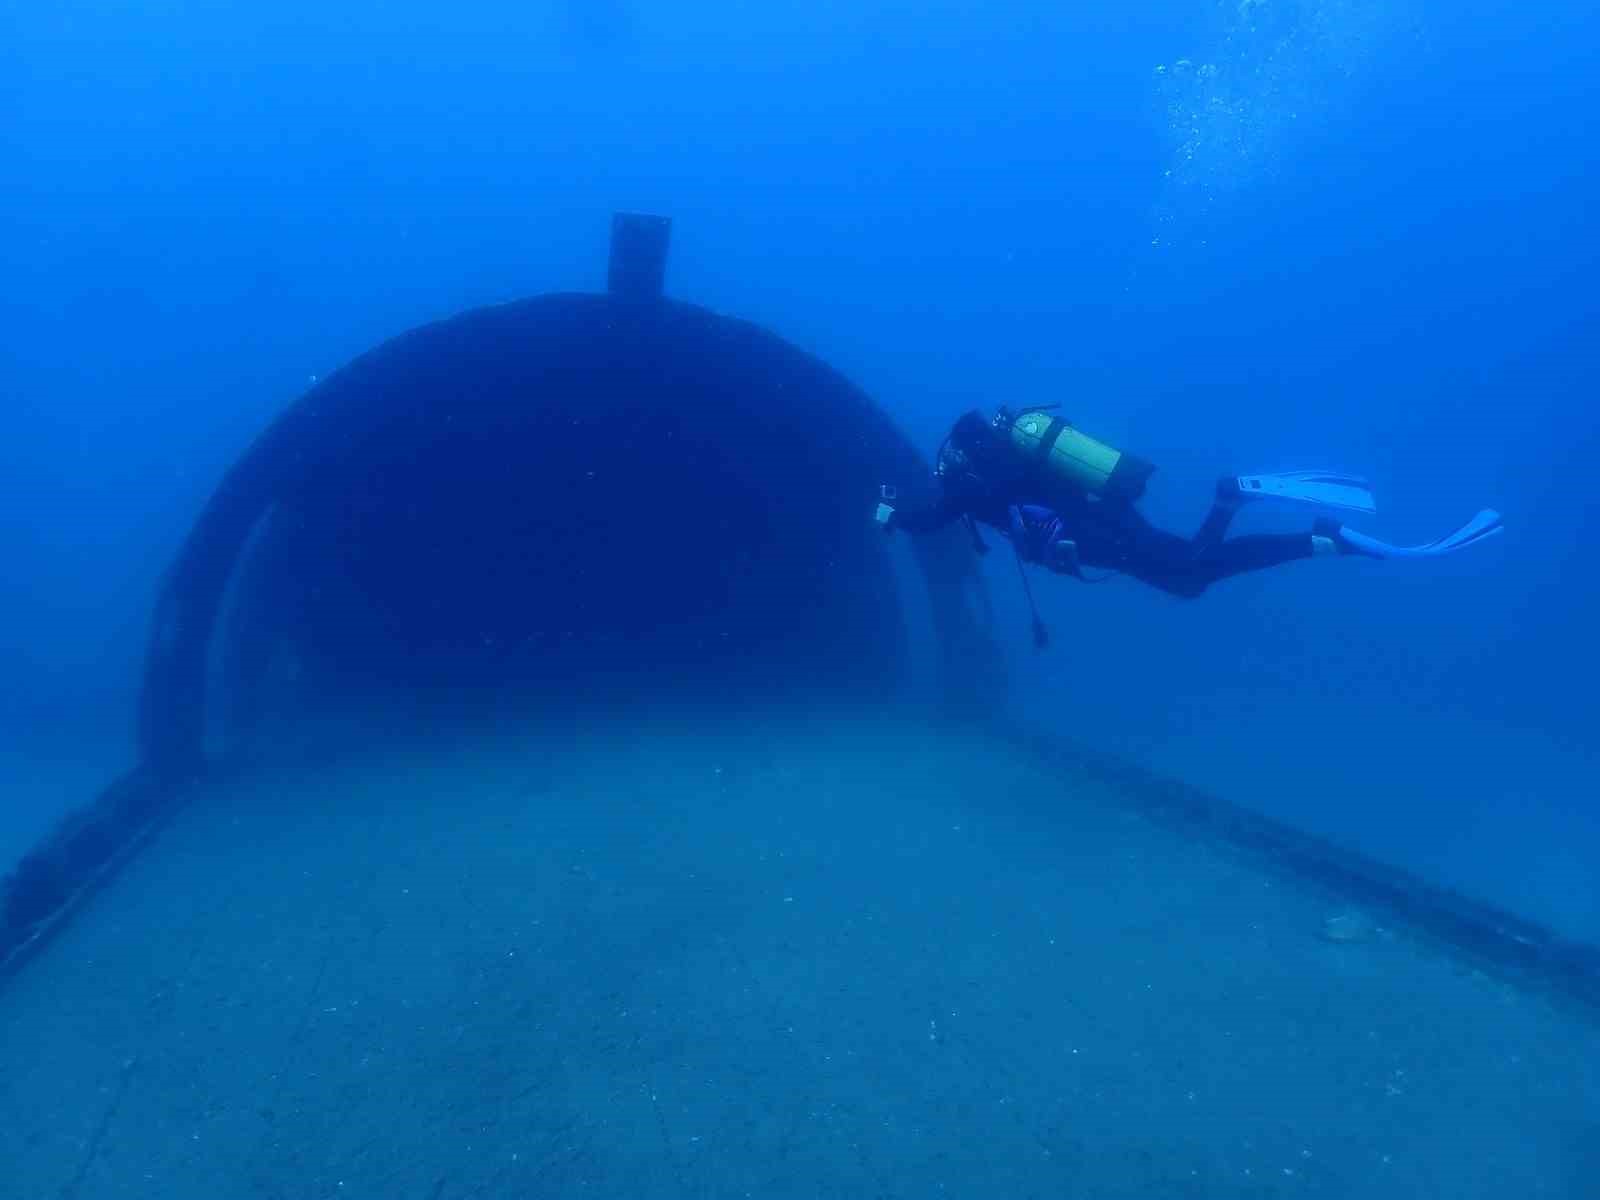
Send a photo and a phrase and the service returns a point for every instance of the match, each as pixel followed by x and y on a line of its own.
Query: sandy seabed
pixel 783 954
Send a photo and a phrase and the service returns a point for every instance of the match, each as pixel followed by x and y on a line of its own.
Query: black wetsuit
pixel 983 478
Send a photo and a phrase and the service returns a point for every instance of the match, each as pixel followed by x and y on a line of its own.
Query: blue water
pixel 1231 237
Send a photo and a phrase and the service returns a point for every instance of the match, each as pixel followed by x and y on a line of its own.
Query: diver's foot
pixel 1328 537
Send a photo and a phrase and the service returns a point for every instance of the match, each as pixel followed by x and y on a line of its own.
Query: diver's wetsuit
pixel 983 478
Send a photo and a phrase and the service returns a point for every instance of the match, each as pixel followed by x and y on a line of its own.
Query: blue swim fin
pixel 1482 527
pixel 1326 489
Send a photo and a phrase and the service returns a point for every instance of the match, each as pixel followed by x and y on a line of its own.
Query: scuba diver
pixel 1067 501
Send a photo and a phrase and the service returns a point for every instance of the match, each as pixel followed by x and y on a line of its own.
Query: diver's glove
pixel 1037 534
pixel 1033 531
pixel 885 514
pixel 1062 558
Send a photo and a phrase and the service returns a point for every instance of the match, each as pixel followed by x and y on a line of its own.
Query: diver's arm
pixel 926 518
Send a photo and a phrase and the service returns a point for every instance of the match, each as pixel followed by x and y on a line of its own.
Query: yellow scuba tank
pixel 1071 456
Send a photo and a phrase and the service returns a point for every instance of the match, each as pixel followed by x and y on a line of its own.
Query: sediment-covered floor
pixel 779 955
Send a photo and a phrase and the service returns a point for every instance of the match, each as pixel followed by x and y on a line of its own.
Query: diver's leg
pixel 1122 539
pixel 1236 556
pixel 1224 507
pixel 1125 540
pixel 1184 568
pixel 1174 565
pixel 1221 556
pixel 1258 551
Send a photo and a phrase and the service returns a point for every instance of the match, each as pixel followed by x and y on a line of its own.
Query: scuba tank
pixel 1067 455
